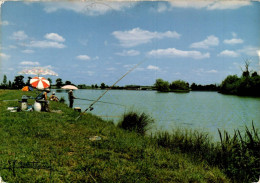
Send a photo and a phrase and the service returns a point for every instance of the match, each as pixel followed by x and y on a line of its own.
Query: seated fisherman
pixel 43 99
pixel 53 97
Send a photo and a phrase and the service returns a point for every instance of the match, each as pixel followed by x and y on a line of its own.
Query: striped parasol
pixel 40 83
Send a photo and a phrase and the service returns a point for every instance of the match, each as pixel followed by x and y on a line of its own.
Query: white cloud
pixel 110 69
pixel 54 43
pixel 228 53
pixel 90 73
pixel 173 52
pixel 29 63
pixel 4 23
pixel 210 41
pixel 129 53
pixel 92 8
pixel 162 7
pixel 19 35
pixel 96 58
pixel 12 46
pixel 203 71
pixel 250 50
pixel 138 36
pixel 45 44
pixel 233 41
pixel 83 57
pixel 234 34
pixel 210 5
pixel 54 37
pixel 4 56
pixel 128 66
pixel 152 67
pixel 27 51
pixel 222 5
pixel 212 71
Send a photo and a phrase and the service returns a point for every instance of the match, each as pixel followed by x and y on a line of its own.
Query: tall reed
pixel 238 155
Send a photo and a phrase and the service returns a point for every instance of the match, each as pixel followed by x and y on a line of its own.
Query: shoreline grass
pixel 63 148
pixel 238 156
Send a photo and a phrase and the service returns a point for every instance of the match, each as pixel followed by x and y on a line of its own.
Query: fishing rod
pixel 100 101
pixel 90 106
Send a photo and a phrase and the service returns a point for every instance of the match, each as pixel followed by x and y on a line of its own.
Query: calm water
pixel 206 111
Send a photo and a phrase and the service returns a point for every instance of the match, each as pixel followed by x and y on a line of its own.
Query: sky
pixel 99 41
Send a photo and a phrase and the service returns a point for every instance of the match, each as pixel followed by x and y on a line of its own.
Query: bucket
pixel 37 106
pixel 24 106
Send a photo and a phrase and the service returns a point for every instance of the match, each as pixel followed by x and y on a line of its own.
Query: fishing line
pixel 90 106
pixel 100 101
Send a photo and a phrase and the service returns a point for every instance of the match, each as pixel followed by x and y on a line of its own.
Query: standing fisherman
pixel 71 98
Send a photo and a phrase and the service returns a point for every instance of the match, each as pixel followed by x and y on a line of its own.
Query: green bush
pixel 133 121
pixel 179 85
pixel 62 100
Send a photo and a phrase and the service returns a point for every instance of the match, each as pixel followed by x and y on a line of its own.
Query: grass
pixel 61 150
pixel 238 155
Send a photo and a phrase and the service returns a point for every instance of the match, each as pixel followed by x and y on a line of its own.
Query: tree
pixel 102 86
pixel 96 86
pixel 28 81
pixel 18 82
pixel 230 84
pixel 254 74
pixel 246 72
pixel 179 85
pixel 161 85
pixel 9 84
pixel 50 80
pixel 4 85
pixel 67 83
pixel 193 86
pixel 5 80
pixel 59 82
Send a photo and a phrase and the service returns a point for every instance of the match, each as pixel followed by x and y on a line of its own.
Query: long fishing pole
pixel 100 101
pixel 90 106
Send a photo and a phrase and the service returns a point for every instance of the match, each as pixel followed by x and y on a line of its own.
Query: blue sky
pixel 94 42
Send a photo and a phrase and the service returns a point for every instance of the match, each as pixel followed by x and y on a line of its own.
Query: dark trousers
pixel 71 103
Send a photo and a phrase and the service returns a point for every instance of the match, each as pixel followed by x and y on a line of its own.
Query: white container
pixel 37 106
pixel 24 106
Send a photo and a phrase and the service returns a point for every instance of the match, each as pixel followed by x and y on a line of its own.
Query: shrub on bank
pixel 134 121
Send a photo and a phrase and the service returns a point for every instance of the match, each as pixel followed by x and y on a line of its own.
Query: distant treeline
pixel 248 84
pixel 180 85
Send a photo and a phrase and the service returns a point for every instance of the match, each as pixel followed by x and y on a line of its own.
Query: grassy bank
pixel 238 156
pixel 53 147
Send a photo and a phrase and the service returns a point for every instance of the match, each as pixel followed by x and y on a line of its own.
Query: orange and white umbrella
pixel 40 83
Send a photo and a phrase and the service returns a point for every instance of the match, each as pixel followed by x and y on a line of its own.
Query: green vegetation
pixel 175 86
pixel 162 86
pixel 179 85
pixel 238 155
pixel 134 121
pixel 62 150
pixel 210 87
pixel 247 85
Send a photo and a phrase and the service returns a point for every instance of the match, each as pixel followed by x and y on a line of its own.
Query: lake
pixel 207 111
